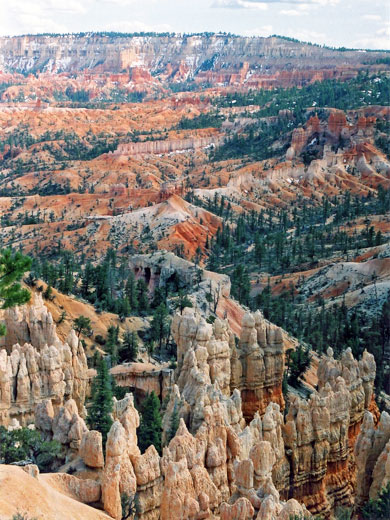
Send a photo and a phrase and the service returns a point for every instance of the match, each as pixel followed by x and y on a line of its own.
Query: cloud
pixel 264 30
pixel 307 35
pixel 249 4
pixel 372 17
pixel 120 3
pixel 240 4
pixel 373 42
pixel 136 26
pixel 379 40
pixel 25 16
pixel 293 12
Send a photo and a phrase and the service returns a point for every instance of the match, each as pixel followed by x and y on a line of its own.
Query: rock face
pixel 223 471
pixel 65 426
pixel 372 453
pixel 313 447
pixel 207 355
pixel 29 324
pixel 44 369
pixel 215 58
pixel 57 495
pixel 167 146
pixel 91 449
pixel 258 364
pixel 126 470
pixel 320 433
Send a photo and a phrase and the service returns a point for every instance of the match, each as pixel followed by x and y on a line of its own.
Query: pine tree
pixel 99 414
pixel 87 279
pixel 149 431
pixel 174 424
pixel 298 362
pixel 131 292
pixel 159 328
pixel 12 268
pixel 129 349
pixel 82 325
pixel 112 343
pixel 183 301
pixel 142 296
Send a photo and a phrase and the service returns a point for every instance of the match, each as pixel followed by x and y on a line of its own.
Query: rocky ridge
pixel 175 56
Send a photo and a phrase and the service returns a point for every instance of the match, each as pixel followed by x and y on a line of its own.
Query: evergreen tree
pixel 142 296
pixel 112 343
pixel 82 325
pixel 379 508
pixel 131 292
pixel 174 424
pixel 99 414
pixel 183 301
pixel 149 431
pixel 12 268
pixel 241 284
pixel 297 364
pixel 87 278
pixel 159 328
pixel 129 348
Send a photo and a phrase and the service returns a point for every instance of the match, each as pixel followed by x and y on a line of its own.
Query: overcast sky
pixel 351 23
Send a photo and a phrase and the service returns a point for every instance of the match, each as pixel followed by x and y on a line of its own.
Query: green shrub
pixel 28 445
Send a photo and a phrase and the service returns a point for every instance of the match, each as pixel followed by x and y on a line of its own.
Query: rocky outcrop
pixel 167 146
pixel 203 353
pixel 258 364
pixel 207 355
pixel 372 454
pixel 29 376
pixel 31 323
pixel 127 471
pixel 65 426
pixel 42 368
pixel 223 471
pixel 214 58
pixel 320 433
pixel 91 449
pixel 57 495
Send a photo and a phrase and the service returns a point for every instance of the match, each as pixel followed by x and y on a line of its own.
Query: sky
pixel 349 23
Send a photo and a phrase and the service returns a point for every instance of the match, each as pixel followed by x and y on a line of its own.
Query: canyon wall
pixel 175 56
pixel 167 146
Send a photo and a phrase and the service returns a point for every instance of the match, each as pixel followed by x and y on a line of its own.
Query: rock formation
pixel 233 456
pixel 372 454
pixel 320 433
pixel 258 364
pixel 65 426
pixel 207 355
pixel 216 473
pixel 44 368
pixel 31 323
pixel 166 146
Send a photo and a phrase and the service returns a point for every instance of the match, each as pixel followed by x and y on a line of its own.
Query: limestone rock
pixel 42 368
pixel 371 454
pixel 91 449
pixel 258 364
pixel 242 509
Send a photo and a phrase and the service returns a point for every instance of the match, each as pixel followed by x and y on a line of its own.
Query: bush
pixel 378 509
pixel 28 445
